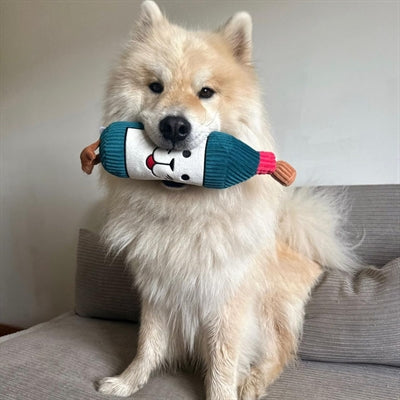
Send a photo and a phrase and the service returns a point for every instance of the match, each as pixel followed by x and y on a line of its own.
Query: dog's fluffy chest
pixel 191 255
pixel 186 262
pixel 188 253
pixel 189 268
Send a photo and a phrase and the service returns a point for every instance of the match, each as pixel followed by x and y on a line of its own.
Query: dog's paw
pixel 116 386
pixel 249 391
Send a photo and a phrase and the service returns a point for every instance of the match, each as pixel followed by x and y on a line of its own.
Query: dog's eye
pixel 206 93
pixel 156 87
pixel 186 153
pixel 185 177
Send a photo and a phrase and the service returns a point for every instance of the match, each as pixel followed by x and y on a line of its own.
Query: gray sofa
pixel 350 348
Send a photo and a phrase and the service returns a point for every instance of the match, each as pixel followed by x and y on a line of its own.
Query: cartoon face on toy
pixel 145 161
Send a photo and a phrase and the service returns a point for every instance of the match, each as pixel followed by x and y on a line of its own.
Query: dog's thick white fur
pixel 223 274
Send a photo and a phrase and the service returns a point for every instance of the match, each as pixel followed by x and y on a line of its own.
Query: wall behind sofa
pixel 330 75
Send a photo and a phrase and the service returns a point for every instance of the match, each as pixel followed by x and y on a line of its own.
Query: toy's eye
pixel 206 93
pixel 186 153
pixel 185 177
pixel 156 87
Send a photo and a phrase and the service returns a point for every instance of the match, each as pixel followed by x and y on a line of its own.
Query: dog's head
pixel 183 84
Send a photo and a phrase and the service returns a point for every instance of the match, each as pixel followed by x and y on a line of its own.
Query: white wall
pixel 330 74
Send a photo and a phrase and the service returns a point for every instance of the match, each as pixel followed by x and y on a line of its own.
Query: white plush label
pixel 144 160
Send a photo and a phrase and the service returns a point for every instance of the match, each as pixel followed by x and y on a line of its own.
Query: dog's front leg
pixel 151 352
pixel 224 334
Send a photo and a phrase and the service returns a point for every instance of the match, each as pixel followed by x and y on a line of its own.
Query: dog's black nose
pixel 175 129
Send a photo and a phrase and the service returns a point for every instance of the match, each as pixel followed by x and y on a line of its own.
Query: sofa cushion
pixel 373 221
pixel 311 380
pixel 355 319
pixel 65 357
pixel 104 284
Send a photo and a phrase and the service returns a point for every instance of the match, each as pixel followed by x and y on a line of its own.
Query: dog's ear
pixel 150 17
pixel 237 31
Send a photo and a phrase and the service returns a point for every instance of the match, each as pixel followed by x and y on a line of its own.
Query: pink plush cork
pixel 267 164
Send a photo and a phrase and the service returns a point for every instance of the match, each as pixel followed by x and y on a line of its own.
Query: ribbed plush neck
pixel 228 161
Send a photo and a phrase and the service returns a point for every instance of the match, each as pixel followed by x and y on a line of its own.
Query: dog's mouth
pixel 173 185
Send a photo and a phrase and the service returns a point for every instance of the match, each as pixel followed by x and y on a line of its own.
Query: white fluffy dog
pixel 223 274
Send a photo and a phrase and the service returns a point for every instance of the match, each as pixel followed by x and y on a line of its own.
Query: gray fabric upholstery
pixel 311 380
pixel 355 319
pixel 104 287
pixel 62 359
pixel 374 216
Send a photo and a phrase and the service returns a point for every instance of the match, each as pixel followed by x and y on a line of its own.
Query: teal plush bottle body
pixel 113 147
pixel 219 162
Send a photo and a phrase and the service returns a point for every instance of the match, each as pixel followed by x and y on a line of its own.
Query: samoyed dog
pixel 223 275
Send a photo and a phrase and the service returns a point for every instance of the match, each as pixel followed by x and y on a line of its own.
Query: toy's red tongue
pixel 150 162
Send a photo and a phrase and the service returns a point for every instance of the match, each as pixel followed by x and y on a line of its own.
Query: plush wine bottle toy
pixel 219 162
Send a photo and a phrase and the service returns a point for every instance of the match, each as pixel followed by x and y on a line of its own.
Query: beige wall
pixel 330 74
